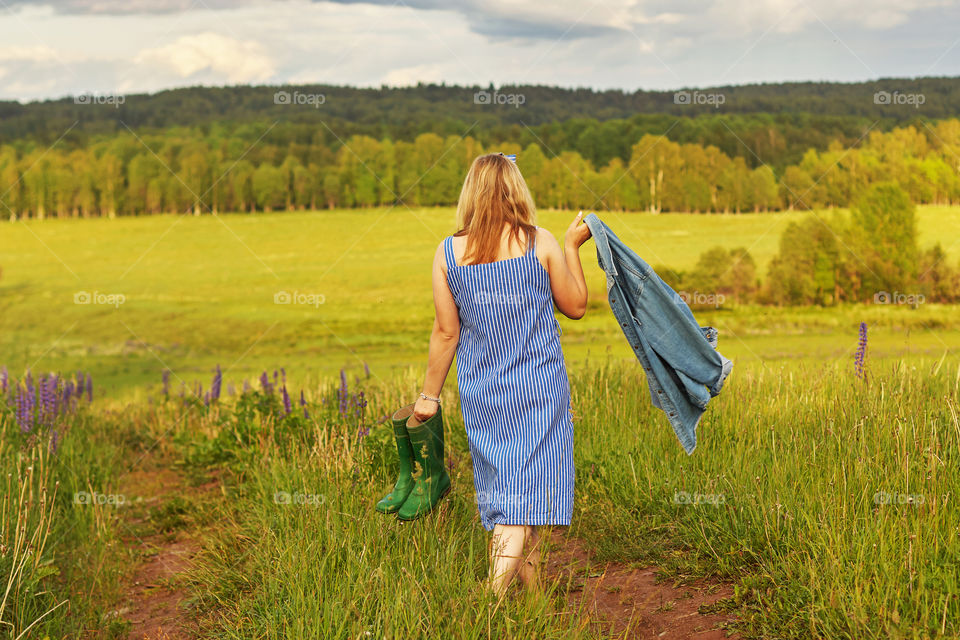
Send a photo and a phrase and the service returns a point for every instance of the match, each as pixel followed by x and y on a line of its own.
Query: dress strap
pixel 448 251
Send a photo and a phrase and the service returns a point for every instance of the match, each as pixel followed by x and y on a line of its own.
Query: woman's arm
pixel 566 273
pixel 443 338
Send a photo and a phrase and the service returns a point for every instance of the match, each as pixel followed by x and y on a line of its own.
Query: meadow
pixel 197 292
pixel 830 498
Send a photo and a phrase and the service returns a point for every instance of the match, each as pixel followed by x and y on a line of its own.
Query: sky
pixel 55 48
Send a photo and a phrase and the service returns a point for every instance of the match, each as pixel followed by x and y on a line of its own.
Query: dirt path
pixel 628 602
pixel 159 527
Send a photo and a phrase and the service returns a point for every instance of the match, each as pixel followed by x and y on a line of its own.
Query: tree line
pixel 405 112
pixel 231 170
pixel 869 255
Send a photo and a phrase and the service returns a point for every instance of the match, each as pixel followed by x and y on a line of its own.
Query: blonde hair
pixel 494 192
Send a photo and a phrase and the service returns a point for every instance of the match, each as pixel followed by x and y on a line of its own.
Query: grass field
pixel 201 291
pixel 832 504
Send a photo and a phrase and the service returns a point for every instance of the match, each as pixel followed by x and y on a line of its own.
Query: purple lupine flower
pixel 55 391
pixel 861 355
pixel 206 399
pixel 25 404
pixel 265 384
pixel 4 379
pixel 361 402
pixel 46 398
pixel 166 383
pixel 89 388
pixel 342 393
pixel 54 440
pixel 216 384
pixel 283 375
pixel 366 369
pixel 286 400
pixel 246 385
pixel 68 398
pixel 80 383
pixel 363 432
pixel 303 403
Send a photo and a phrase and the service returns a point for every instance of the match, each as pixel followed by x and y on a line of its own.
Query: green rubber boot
pixel 431 481
pixel 392 502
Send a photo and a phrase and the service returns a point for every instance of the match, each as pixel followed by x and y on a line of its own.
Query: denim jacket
pixel 684 369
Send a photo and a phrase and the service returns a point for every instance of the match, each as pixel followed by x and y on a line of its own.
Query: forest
pixel 243 169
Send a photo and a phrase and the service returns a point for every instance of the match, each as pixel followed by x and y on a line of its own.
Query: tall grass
pixel 299 550
pixel 59 561
pixel 830 499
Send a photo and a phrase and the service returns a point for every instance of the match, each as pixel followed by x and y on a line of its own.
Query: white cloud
pixel 235 60
pixel 52 48
pixel 407 76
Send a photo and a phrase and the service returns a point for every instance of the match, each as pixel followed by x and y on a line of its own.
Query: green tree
pixel 883 233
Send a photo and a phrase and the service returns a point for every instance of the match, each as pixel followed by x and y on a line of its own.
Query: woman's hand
pixel 577 233
pixel 424 409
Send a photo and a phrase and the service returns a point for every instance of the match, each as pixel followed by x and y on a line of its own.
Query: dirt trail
pixel 627 602
pixel 159 528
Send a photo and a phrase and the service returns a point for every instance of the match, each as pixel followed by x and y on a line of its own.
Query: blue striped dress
pixel 514 390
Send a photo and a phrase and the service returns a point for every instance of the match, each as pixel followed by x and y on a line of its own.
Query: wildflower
pixel 861 354
pixel 54 440
pixel 342 393
pixel 303 403
pixel 366 369
pixel 24 410
pixel 265 383
pixel 216 384
pixel 166 383
pixel 66 397
pixel 48 398
pixel 286 400
pixel 89 388
pixel 4 379
pixel 361 403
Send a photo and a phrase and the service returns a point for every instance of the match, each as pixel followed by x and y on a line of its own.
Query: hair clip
pixel 512 157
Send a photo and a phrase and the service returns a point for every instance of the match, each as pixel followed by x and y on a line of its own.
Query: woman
pixel 494 285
